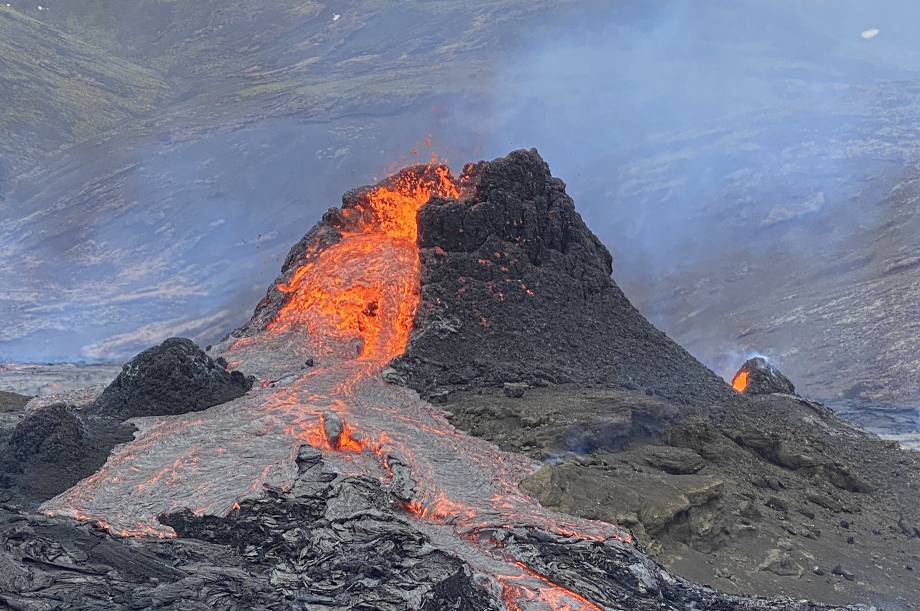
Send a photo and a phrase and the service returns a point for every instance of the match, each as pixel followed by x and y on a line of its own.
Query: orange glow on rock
pixel 395 209
pixel 351 440
pixel 348 442
pixel 740 381
pixel 558 597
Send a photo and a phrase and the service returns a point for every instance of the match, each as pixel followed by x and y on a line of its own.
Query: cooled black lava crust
pixel 516 288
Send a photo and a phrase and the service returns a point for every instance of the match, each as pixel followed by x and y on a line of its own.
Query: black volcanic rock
pixel 516 288
pixel 12 402
pixel 51 434
pixel 764 378
pixel 54 447
pixel 175 377
pixel 332 541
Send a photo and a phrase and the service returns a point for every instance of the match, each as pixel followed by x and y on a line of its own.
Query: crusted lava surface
pixel 54 446
pixel 331 542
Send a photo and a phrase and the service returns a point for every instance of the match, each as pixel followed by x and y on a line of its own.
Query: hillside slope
pixel 200 195
pixel 56 90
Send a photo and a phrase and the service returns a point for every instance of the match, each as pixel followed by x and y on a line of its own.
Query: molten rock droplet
pixel 356 347
pixel 333 427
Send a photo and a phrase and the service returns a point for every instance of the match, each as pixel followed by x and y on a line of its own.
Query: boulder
pixel 56 446
pixel 676 461
pixel 12 402
pixel 175 377
pixel 51 434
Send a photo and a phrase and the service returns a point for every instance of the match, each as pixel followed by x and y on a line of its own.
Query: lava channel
pixel 350 307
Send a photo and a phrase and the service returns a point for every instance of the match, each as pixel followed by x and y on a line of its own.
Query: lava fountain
pixel 349 307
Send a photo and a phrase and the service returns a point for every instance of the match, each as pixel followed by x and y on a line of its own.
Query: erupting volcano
pixel 333 480
pixel 349 308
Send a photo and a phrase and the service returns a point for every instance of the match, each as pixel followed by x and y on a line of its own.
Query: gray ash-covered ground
pixel 771 498
pixel 53 447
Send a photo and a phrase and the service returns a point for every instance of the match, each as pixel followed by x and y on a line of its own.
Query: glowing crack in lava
pixel 349 307
pixel 740 381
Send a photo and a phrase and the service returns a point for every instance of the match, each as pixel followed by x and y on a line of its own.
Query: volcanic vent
pixel 357 292
pixel 514 288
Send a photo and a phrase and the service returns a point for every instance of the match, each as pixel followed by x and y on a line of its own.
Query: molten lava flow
pixel 349 310
pixel 353 293
pixel 532 587
pixel 740 381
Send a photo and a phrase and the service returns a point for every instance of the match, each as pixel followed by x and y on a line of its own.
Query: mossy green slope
pixel 298 55
pixel 76 70
pixel 56 90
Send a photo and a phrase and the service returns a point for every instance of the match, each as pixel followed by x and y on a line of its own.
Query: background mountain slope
pixel 807 254
pixel 56 90
pixel 170 222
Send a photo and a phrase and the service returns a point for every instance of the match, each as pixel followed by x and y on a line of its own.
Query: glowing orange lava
pixel 740 381
pixel 349 294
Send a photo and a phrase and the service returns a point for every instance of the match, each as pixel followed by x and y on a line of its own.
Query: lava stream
pixel 350 307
